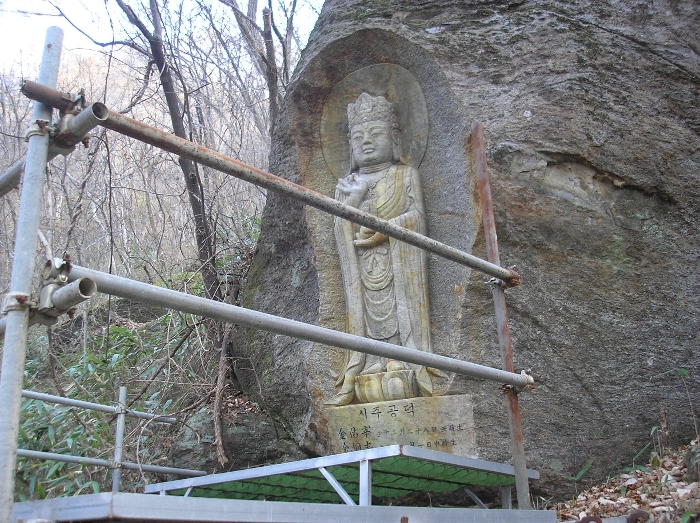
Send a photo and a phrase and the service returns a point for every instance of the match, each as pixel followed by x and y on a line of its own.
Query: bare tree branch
pixel 134 20
pixel 165 361
pixel 195 190
pixel 283 43
pixel 224 365
pixel 272 76
pixel 125 43
pixel 138 95
pixel 262 127
pixel 253 45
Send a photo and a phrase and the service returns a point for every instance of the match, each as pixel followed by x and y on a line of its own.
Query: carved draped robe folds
pixel 385 285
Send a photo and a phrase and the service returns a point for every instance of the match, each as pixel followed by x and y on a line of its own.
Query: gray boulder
pixel 592 119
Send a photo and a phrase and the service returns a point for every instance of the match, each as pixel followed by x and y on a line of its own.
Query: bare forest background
pixel 211 71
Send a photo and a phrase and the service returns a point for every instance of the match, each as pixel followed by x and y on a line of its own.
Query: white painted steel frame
pixel 333 482
pixel 363 457
pixel 365 482
pixel 141 507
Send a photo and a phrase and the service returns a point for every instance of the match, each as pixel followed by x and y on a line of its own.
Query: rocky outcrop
pixel 251 439
pixel 592 121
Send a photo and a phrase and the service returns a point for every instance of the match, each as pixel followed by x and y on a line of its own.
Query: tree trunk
pixel 193 183
pixel 271 76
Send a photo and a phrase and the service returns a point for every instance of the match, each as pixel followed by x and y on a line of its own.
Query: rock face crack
pixel 558 158
pixel 647 46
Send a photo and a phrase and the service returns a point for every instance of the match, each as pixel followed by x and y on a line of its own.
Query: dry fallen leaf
pixel 663 492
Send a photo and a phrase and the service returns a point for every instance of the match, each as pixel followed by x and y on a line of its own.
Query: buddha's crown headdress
pixel 368 108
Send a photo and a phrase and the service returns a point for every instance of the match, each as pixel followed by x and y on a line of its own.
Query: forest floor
pixel 660 488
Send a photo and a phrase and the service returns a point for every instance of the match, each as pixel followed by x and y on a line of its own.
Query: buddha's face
pixel 372 143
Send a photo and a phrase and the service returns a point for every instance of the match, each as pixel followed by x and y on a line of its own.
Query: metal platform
pixel 336 488
pixel 353 477
pixel 143 507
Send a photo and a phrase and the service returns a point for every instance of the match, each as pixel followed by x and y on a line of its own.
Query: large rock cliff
pixel 592 118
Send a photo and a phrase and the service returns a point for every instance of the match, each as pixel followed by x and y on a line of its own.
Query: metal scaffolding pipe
pixel 46 95
pixel 70 402
pixel 162 470
pixel 78 127
pixel 119 441
pixel 516 429
pixel 67 297
pixel 35 454
pixel 11 178
pixel 202 155
pixel 98 113
pixel 14 352
pixel 145 293
pixel 84 122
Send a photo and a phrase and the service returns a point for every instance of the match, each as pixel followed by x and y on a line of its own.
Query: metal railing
pixel 122 412
pixel 224 312
pixel 70 402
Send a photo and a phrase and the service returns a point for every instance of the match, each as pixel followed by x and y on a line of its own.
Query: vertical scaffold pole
pixel 119 441
pixel 516 430
pixel 17 299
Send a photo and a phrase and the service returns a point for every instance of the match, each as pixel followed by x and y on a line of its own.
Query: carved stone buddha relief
pixel 385 281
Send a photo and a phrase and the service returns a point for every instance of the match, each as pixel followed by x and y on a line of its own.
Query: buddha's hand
pixel 368 238
pixel 353 189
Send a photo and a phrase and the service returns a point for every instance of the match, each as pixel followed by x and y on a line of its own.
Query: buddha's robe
pixel 386 285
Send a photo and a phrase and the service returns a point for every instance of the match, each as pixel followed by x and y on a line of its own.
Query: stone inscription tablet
pixel 442 423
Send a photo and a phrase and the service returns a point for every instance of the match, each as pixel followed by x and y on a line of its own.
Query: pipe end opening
pixel 100 111
pixel 87 288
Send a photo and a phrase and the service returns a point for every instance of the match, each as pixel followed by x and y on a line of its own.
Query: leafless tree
pixel 154 37
pixel 214 76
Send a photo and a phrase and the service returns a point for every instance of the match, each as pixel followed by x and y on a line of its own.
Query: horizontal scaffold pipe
pixel 11 178
pixel 67 458
pixel 145 293
pixel 95 406
pixel 98 113
pixel 78 128
pixel 186 149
